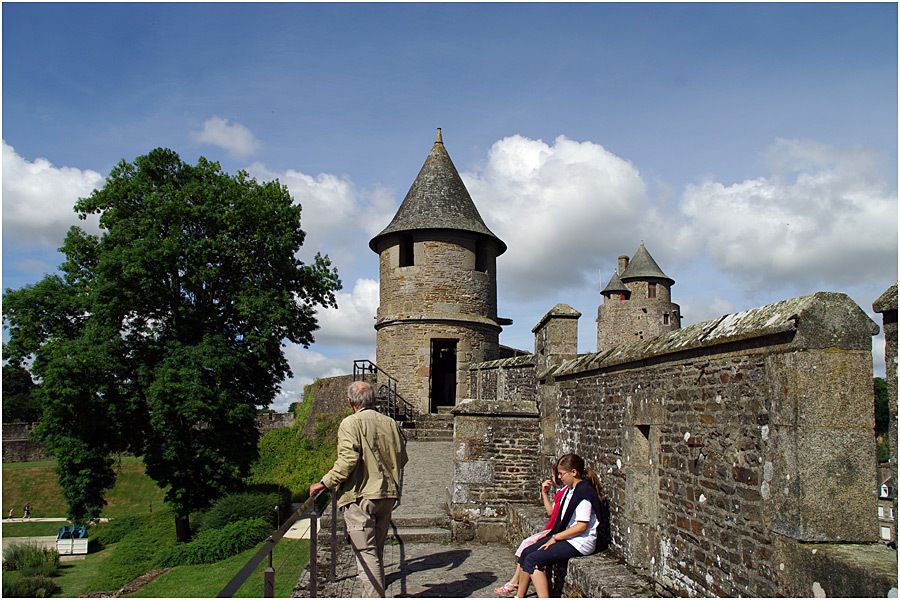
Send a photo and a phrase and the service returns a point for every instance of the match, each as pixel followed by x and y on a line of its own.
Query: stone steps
pixel 401 534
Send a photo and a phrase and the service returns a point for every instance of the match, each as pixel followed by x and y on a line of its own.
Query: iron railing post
pixel 333 573
pixel 314 553
pixel 269 577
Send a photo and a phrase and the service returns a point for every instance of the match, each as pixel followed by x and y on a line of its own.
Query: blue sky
pixel 752 147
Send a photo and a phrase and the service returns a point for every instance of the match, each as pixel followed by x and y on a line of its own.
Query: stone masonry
pixel 738 454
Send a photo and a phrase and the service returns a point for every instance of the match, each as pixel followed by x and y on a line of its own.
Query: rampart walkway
pixel 422 562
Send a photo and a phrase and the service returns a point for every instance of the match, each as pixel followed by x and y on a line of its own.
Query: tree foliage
pixel 163 336
pixel 882 405
pixel 18 403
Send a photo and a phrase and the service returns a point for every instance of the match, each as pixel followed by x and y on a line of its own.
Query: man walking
pixel 371 451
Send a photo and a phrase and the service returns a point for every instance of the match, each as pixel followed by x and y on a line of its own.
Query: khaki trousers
pixel 367 526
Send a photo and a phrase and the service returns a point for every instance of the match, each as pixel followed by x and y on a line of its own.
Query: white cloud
pixel 352 322
pixel 697 312
pixel 562 209
pixel 38 198
pixel 231 137
pixel 823 215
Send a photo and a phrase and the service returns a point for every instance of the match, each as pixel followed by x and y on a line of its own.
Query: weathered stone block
pixel 822 388
pixel 835 570
pixel 822 484
pixel 474 472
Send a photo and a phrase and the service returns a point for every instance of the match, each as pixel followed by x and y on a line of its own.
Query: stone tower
pixel 438 288
pixel 637 303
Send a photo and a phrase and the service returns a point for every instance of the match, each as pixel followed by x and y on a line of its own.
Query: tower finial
pixel 437 138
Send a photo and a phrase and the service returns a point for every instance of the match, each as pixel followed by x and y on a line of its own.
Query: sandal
pixel 507 590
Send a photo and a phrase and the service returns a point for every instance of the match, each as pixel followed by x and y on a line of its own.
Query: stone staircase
pixel 431 427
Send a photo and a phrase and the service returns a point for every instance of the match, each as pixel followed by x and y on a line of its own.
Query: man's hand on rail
pixel 316 489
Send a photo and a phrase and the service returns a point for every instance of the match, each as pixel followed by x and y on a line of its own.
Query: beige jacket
pixel 371 451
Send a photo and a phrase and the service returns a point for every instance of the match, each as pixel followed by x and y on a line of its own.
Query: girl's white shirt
pixel 584 512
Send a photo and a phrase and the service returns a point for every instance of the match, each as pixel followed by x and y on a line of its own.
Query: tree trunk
pixel 182 529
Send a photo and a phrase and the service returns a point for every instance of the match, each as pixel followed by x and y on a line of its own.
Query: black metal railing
pixel 310 509
pixel 390 402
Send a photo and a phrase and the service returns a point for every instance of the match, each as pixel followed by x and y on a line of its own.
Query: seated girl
pixel 575 531
pixel 510 587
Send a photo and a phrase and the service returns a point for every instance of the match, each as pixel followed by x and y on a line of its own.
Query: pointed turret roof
pixel 642 266
pixel 437 199
pixel 615 286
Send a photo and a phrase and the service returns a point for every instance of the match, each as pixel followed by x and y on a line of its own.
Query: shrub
pixel 115 529
pixel 217 544
pixel 29 587
pixel 31 559
pixel 239 506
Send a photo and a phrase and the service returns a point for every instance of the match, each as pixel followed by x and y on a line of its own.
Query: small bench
pixel 600 575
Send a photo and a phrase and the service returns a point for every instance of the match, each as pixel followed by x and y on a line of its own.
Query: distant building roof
pixel 615 286
pixel 642 266
pixel 887 301
pixel 437 199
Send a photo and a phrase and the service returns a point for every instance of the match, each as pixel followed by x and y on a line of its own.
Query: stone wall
pixel 17 447
pixel 442 280
pixel 886 304
pixel 508 380
pixel 267 422
pixel 495 443
pixel 329 397
pixel 738 454
pixel 403 350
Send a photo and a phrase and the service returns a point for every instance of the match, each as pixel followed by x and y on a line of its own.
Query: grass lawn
pixel 196 581
pixel 31 529
pixel 37 482
pixel 75 578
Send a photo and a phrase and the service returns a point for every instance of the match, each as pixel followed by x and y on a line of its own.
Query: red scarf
pixel 557 503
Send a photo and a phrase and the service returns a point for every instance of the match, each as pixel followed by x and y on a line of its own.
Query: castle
pixel 737 453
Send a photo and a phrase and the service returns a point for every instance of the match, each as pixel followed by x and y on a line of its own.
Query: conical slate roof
pixel 615 286
pixel 437 199
pixel 642 266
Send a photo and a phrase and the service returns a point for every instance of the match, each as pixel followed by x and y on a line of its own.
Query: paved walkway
pixel 429 570
pixel 423 569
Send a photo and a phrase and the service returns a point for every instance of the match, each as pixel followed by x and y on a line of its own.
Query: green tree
pixel 18 403
pixel 164 335
pixel 882 405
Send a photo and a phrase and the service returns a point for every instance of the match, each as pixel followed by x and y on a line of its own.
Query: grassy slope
pixel 36 482
pixel 197 581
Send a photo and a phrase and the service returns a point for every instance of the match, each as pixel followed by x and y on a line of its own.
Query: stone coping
pixel 496 408
pixel 526 360
pixel 600 575
pixel 560 311
pixel 886 301
pixel 431 317
pixel 820 320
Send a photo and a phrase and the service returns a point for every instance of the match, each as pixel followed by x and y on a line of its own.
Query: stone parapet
pixel 494 447
pixel 821 320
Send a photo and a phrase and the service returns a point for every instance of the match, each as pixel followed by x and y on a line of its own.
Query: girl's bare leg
pixel 524 582
pixel 541 586
pixel 515 578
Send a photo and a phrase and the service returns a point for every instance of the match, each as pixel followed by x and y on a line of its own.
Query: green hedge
pixel 217 544
pixel 240 506
pixel 28 587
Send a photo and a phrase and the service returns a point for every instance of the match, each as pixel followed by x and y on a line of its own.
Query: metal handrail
pixel 396 406
pixel 307 509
